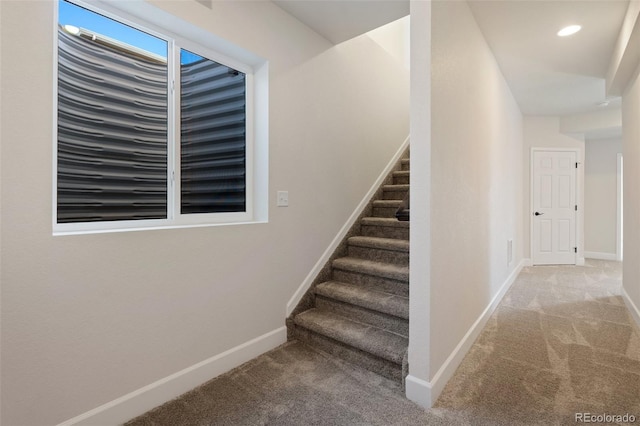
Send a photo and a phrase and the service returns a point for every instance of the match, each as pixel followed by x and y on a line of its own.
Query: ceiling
pixel 547 74
pixel 341 20
pixel 551 75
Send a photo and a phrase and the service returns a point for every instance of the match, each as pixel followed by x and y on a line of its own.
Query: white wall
pixel 622 78
pixel 631 154
pixel 0 221
pixel 626 53
pixel 476 180
pixel 544 132
pixel 417 382
pixel 475 189
pixel 605 124
pixel 88 318
pixel 395 38
pixel 601 196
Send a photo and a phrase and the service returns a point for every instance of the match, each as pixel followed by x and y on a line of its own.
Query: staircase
pixel 358 307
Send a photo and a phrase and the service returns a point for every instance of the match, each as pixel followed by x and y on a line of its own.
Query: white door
pixel 554 207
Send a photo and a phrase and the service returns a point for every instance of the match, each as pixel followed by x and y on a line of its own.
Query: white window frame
pixel 175 219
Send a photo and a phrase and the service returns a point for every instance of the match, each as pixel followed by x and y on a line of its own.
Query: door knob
pixel 538 214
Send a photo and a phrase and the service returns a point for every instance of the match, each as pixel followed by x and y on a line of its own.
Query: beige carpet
pixel 290 386
pixel 561 342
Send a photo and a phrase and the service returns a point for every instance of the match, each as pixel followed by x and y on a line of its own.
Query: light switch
pixel 283 199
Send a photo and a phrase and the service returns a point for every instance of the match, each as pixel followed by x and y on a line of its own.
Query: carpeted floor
pixel 292 385
pixel 561 342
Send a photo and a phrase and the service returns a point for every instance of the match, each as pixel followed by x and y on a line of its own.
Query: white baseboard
pixel 635 312
pixel 426 393
pixel 527 262
pixel 418 391
pixel 600 256
pixel 306 284
pixel 144 399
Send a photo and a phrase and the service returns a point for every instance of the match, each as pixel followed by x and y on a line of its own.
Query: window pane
pixel 112 120
pixel 213 135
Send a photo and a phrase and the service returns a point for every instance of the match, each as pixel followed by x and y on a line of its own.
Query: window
pixel 213 123
pixel 152 130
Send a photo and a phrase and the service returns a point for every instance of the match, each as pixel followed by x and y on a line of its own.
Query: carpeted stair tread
pixel 378 342
pixel 358 308
pixel 387 203
pixel 380 243
pixel 384 221
pixel 368 267
pixel 401 177
pixel 401 187
pixel 353 294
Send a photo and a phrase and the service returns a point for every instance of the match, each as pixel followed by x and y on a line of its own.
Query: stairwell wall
pixel 476 178
pixel 624 78
pixel 631 153
pixel 88 319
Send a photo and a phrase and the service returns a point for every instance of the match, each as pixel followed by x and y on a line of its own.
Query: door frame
pixel 579 257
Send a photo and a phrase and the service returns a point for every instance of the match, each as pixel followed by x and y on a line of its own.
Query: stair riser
pixel 392 194
pixel 363 359
pixel 366 316
pixel 380 255
pixel 384 232
pixel 406 165
pixel 372 282
pixel 385 211
pixel 401 180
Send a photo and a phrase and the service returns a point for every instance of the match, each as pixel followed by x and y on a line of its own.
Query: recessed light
pixel 567 31
pixel 603 104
